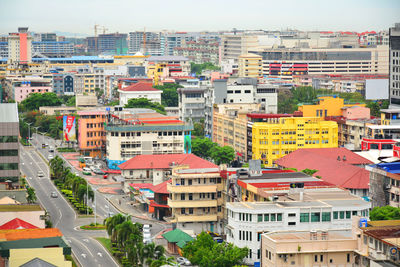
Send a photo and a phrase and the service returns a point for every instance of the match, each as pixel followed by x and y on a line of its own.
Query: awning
pixel 156 205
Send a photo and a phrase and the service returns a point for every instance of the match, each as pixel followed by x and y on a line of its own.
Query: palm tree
pixel 112 222
pixel 161 261
pixel 128 230
pixel 31 197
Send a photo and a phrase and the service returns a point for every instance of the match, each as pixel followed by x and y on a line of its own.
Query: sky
pixel 80 16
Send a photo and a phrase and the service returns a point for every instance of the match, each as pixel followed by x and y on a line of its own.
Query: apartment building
pixel 230 125
pixel 196 199
pixel 173 40
pixel 250 65
pixel 87 79
pixel 191 103
pixel 20 46
pixel 53 49
pixel 394 65
pixel 328 106
pixel 200 51
pixel 144 132
pixel 271 141
pixel 161 67
pixel 139 90
pixel 9 144
pixel 63 83
pixel 327 209
pixel 138 39
pixel 284 63
pixel 91 133
pixel 308 248
pixel 19 88
pixel 233 45
pixel 113 43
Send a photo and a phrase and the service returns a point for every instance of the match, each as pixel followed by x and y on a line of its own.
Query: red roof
pixel 153 204
pixel 340 173
pixel 161 188
pixel 139 87
pixel 165 161
pixel 17 224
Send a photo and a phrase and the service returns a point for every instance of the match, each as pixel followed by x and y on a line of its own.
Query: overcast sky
pixel 80 16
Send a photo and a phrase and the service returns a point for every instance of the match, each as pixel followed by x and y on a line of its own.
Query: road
pixel 86 249
pixel 103 206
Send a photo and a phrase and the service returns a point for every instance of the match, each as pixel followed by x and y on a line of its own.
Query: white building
pixel 320 210
pixel 139 90
pixel 191 103
pixel 20 46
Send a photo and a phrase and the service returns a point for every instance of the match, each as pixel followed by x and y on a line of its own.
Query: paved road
pixel 86 249
pixel 103 206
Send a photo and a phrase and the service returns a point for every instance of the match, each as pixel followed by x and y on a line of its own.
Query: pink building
pixel 356 113
pixel 20 88
pixel 218 76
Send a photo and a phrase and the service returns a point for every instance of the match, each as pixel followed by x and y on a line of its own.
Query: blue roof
pixel 75 58
pixel 393 167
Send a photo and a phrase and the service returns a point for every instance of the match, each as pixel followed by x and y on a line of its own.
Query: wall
pixel 32 217
pixel 356 113
pixel 52 255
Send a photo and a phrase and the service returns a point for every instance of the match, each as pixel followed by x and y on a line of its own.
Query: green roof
pixel 176 236
pixel 24 207
pixel 181 243
pixel 57 241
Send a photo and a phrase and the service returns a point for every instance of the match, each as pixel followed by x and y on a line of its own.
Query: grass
pixel 106 242
pixel 93 227
pixel 70 258
pixel 66 149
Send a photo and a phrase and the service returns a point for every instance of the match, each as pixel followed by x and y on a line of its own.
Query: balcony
pixel 196 203
pixel 191 188
pixel 196 218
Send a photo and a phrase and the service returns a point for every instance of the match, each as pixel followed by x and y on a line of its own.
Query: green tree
pixel 384 213
pixel 286 102
pixel 222 155
pixel 198 128
pixel 31 197
pixel 376 106
pixel 71 102
pixel 202 147
pixel 205 252
pixel 309 171
pixel 169 96
pixel 112 222
pixel 198 68
pixel 145 103
pixel 36 100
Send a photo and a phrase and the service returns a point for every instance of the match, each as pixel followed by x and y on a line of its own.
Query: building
pixel 136 43
pixel 20 46
pixel 196 199
pixel 156 169
pixel 144 132
pixel 308 248
pixel 91 133
pixel 33 214
pixel 284 63
pixel 234 45
pixel 191 103
pixel 200 51
pixel 394 65
pixel 250 65
pixel 112 43
pixel 53 49
pixel 172 40
pixel 324 208
pixel 18 88
pixel 139 90
pixel 63 83
pixel 328 106
pixel 161 67
pixel 273 140
pixel 176 240
pixel 337 166
pixel 9 143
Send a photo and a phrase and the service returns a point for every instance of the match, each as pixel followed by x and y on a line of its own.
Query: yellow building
pixel 326 106
pixel 52 255
pixel 196 199
pixel 274 140
pixel 250 65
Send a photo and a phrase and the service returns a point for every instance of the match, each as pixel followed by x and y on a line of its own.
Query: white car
pixel 146 238
pixel 50 157
pixel 183 261
pixel 40 174
pixel 146 228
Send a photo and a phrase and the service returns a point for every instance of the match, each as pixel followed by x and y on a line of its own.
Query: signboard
pixel 69 133
pixel 393 251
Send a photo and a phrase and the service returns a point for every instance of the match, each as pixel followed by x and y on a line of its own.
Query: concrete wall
pixel 52 255
pixel 32 217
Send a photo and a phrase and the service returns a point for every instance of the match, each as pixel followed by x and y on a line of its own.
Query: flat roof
pixel 9 112
pixel 344 234
pixel 23 207
pixel 383 127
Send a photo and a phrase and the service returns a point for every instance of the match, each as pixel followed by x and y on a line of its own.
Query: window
pixel 326 216
pixel 348 214
pixel 279 217
pixel 219 208
pixel 8 166
pixel 182 196
pixel 273 217
pixel 218 194
pixel 266 217
pixel 342 215
pixel 335 215
pixel 315 216
pixel 321 258
pixel 304 217
pixel 258 236
pixel 182 210
pixel 190 210
pixel 316 258
pixel 190 196
pixel 259 218
pixel 291 223
pixel 348 257
pixel 292 214
pixel 9 153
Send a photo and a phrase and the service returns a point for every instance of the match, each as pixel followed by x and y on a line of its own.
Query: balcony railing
pixel 194 203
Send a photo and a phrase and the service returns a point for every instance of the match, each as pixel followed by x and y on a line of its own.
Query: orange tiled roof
pixel 18 234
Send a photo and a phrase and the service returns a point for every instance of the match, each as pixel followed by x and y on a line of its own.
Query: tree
pixel 199 128
pixel 169 96
pixel 202 147
pixel 71 102
pixel 127 230
pixel 309 171
pixel 376 106
pixel 205 252
pixel 31 197
pixel 36 100
pixel 198 68
pixel 145 103
pixel 384 213
pixel 222 155
pixel 112 222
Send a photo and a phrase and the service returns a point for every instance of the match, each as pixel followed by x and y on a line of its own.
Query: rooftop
pixel 8 112
pixel 35 243
pixel 166 162
pixel 140 87
pixel 23 207
pixel 17 224
pixel 17 234
pixel 167 58
pixel 305 235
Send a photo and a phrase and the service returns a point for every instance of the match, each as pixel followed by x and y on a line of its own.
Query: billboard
pixel 376 89
pixel 69 133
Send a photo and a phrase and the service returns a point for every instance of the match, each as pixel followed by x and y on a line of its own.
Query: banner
pixel 69 128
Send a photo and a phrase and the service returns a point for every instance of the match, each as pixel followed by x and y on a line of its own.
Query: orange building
pixel 91 133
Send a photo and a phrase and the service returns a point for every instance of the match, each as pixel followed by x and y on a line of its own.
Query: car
pixel 51 149
pixel 50 157
pixel 98 171
pixel 146 228
pixel 147 238
pixel 218 239
pixel 54 195
pixel 86 171
pixel 105 176
pixel 183 261
pixel 40 174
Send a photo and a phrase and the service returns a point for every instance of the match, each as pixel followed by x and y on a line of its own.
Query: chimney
pixel 324 235
pixel 344 158
pixel 338 158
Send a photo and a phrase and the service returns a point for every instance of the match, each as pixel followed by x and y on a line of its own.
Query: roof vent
pixel 338 158
pixel 344 158
pixel 313 235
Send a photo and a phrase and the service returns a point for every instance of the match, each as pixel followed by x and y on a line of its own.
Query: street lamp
pixel 29 132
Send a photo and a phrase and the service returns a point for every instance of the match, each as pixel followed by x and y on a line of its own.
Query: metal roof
pixel 9 112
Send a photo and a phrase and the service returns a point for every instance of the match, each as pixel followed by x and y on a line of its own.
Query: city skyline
pixel 125 16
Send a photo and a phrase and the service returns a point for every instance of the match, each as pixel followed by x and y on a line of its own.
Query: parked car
pixel 40 174
pixel 54 195
pixel 147 238
pixel 50 157
pixel 86 171
pixel 183 261
pixel 218 239
pixel 98 171
pixel 51 149
pixel 105 176
pixel 146 228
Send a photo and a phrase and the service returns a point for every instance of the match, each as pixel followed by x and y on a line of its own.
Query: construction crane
pixel 95 36
pixel 144 41
pixel 104 30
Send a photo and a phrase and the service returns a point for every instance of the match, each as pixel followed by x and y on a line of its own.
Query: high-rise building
pixel 20 46
pixel 114 43
pixel 9 147
pixel 394 65
pixel 152 44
